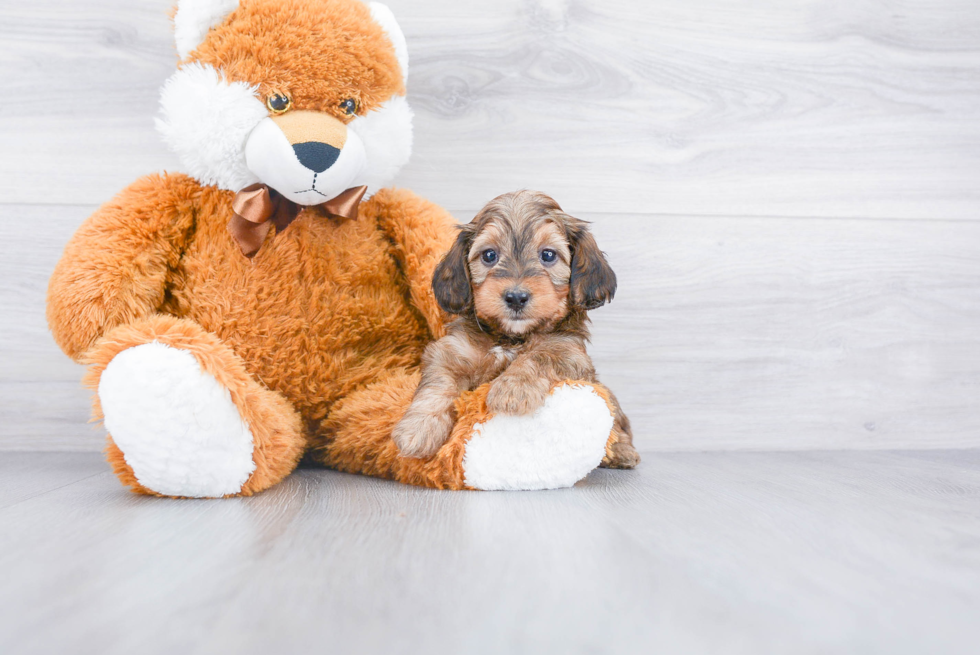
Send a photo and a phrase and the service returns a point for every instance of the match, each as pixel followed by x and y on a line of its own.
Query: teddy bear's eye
pixel 278 103
pixel 349 106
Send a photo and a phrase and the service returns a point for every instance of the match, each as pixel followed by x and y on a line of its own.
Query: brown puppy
pixel 521 276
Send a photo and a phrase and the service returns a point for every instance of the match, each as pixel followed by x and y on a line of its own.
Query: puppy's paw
pixel 520 395
pixel 420 435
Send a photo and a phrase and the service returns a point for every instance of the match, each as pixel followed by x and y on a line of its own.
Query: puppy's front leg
pixel 447 368
pixel 520 389
pixel 546 360
pixel 427 423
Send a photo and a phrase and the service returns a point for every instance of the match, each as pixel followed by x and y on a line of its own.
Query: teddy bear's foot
pixel 184 417
pixel 554 447
pixel 175 424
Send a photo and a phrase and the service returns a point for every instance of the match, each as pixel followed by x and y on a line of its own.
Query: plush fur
pixel 313 345
pixel 205 121
pixel 500 454
pixel 213 103
pixel 193 19
pixel 205 448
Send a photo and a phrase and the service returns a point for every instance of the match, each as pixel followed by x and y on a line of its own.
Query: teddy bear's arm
pixel 421 233
pixel 114 268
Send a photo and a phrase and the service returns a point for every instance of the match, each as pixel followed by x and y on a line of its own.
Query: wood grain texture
pixel 719 146
pixel 825 552
pixel 803 108
pixel 793 334
pixel 24 476
pixel 740 333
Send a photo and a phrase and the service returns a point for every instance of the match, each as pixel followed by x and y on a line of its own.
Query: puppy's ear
pixel 451 280
pixel 592 282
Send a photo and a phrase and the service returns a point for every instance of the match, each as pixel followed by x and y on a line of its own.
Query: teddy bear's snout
pixel 307 156
pixel 316 156
pixel 316 138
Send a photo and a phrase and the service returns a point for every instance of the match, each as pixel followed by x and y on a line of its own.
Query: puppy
pixel 521 277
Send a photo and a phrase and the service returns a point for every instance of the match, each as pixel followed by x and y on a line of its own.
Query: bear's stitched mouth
pixel 314 189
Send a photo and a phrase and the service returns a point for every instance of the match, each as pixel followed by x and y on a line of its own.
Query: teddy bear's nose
pixel 316 156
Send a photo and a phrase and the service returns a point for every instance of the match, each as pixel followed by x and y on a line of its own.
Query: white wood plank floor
pixel 809 552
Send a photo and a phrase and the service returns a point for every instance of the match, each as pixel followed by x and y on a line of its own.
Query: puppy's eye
pixel 278 103
pixel 548 256
pixel 489 257
pixel 349 106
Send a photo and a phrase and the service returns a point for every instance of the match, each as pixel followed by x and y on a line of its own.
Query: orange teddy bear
pixel 274 300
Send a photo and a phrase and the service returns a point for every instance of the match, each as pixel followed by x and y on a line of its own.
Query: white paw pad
pixel 176 425
pixel 554 447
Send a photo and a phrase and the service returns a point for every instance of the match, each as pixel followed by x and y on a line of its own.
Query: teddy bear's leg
pixel 184 416
pixel 555 447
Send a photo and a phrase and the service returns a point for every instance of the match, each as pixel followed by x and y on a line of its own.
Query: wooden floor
pixel 812 552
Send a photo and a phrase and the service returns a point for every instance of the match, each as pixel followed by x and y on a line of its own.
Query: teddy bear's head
pixel 306 96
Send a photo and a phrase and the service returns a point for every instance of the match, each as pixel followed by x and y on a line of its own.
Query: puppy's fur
pixel 524 248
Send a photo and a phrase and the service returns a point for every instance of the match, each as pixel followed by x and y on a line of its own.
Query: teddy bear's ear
pixel 383 16
pixel 193 20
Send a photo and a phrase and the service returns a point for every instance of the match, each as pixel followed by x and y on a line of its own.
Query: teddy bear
pixel 271 301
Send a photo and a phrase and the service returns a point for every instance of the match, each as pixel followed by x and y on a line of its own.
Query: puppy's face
pixel 521 265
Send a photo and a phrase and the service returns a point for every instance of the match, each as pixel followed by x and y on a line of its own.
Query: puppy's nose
pixel 516 298
pixel 316 156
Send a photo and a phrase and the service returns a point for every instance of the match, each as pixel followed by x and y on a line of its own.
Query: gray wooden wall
pixel 788 189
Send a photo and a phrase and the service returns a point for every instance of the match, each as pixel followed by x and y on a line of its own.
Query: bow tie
pixel 257 208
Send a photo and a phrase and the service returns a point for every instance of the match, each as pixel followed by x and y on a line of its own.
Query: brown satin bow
pixel 258 207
